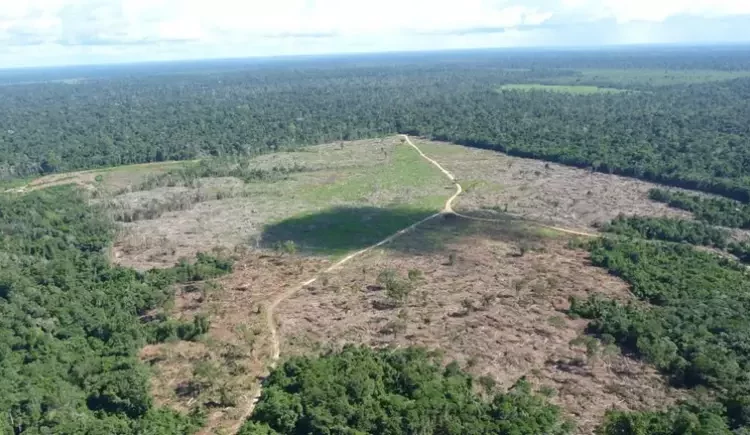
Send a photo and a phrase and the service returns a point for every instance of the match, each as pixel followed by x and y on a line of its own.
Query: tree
pixel 397 289
pixel 51 163
pixel 358 390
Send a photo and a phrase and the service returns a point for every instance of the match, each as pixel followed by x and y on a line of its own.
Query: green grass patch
pixel 653 77
pixel 14 183
pixel 374 202
pixel 563 89
pixel 119 179
pixel 339 230
pixel 549 233
pixel 148 167
pixel 116 174
pixel 406 179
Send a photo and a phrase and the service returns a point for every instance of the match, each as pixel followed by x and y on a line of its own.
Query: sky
pixel 70 32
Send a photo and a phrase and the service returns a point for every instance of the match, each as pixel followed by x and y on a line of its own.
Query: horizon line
pixel 355 54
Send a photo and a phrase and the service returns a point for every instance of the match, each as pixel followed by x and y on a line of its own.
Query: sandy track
pixel 447 209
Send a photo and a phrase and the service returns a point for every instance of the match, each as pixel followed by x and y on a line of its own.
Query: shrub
pixel 396 289
pixel 164 329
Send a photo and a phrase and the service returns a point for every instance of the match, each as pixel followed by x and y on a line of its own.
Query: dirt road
pixel 447 209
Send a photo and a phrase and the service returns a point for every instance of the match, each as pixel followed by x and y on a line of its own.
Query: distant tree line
pixel 692 135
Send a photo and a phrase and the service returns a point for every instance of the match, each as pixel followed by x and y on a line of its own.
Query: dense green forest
pixel 709 210
pixel 715 211
pixel 69 322
pixel 694 328
pixel 361 391
pixel 683 124
pixel 668 229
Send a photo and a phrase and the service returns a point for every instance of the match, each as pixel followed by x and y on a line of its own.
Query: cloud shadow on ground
pixel 340 230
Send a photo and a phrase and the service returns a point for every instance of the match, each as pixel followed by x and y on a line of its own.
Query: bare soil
pixel 552 193
pixel 221 370
pixel 112 178
pixel 490 295
pixel 493 183
pixel 240 217
pixel 222 223
pixel 497 312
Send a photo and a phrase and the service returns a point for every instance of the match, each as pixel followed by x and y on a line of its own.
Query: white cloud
pixel 655 10
pixel 72 31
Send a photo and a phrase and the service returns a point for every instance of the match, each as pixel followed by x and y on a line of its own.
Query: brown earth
pixel 112 179
pixel 220 371
pixel 548 192
pixel 497 312
pixel 239 218
pixel 490 295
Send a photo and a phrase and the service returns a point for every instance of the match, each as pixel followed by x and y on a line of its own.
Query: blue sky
pixel 65 32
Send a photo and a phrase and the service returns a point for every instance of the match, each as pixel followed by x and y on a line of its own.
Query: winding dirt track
pixel 447 209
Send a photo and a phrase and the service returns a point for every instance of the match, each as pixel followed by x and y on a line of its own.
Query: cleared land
pixel 575 198
pixel 351 196
pixel 107 179
pixel 491 296
pixel 221 370
pixel 565 89
pixel 644 77
pixel 661 77
pixel 347 197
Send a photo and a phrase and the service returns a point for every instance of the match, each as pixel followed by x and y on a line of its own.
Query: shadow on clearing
pixel 341 230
